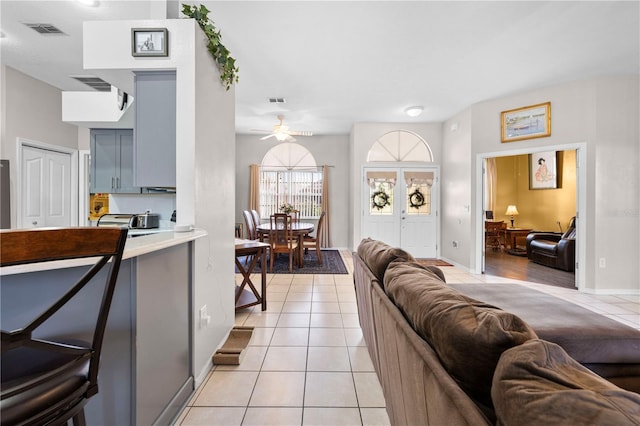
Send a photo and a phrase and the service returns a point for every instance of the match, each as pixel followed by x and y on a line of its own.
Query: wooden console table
pixel 512 235
pixel 246 297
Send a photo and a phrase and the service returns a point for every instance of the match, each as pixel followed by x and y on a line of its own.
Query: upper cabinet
pixel 155 129
pixel 112 161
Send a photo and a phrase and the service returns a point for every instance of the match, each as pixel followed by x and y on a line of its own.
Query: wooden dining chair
pixel 47 376
pixel 281 239
pixel 309 242
pixel 495 235
pixel 295 216
pixel 251 226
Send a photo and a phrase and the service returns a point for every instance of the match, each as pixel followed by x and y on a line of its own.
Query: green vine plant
pixel 226 64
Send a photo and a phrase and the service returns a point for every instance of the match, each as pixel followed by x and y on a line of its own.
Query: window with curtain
pixel 288 174
pixel 302 189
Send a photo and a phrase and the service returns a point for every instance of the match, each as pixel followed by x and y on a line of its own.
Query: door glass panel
pixel 418 193
pixel 381 198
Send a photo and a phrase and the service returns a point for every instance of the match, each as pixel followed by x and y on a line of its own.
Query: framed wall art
pixel 544 170
pixel 149 42
pixel 529 122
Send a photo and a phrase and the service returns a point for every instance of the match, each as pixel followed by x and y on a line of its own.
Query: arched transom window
pixel 400 145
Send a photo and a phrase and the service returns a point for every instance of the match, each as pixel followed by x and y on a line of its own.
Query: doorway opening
pixel 511 180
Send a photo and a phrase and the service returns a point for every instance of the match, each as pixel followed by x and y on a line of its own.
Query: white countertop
pixel 136 246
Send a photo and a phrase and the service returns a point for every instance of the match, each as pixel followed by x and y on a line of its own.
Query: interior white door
pixel 46 188
pixel 400 208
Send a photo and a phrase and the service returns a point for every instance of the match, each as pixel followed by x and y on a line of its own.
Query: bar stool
pixel 49 380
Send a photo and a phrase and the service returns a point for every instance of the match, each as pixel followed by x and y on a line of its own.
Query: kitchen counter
pixel 137 245
pixel 146 373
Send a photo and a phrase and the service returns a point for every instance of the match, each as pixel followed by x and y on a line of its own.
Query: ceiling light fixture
pixel 91 3
pixel 414 111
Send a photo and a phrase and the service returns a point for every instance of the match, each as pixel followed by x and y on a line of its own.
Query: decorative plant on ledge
pixel 226 64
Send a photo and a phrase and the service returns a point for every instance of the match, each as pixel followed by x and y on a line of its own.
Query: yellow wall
pixel 538 209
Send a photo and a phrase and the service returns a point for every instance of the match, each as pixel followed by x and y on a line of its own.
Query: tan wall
pixel 539 209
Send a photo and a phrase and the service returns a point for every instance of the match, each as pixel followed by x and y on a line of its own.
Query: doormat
pixel 233 350
pixel 433 262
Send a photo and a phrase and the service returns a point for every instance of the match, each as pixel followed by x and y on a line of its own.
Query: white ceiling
pixel 338 62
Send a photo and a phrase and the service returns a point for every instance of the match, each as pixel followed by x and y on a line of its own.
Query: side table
pixel 246 297
pixel 512 235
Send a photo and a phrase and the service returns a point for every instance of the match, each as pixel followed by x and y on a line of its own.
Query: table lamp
pixel 511 211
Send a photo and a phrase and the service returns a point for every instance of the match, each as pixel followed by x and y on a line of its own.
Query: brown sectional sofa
pixel 446 357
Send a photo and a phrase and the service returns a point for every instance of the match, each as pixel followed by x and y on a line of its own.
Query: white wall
pixel 205 157
pixel 457 193
pixel 31 110
pixel 332 150
pixel 601 113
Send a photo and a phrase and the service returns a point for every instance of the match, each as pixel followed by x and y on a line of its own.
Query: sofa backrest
pixel 468 335
pixel 539 383
pixel 570 233
pixel 417 388
pixel 377 256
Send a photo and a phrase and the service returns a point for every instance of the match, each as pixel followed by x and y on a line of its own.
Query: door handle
pixel 34 223
pixel 117 182
pixel 112 182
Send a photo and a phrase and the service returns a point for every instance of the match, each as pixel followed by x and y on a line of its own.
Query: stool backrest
pixel 105 247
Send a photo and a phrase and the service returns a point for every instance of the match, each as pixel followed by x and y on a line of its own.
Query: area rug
pixel 433 262
pixel 331 264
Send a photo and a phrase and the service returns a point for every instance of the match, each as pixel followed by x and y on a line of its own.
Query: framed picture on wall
pixel 149 42
pixel 530 122
pixel 544 170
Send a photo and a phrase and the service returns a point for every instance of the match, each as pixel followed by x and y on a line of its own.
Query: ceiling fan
pixel 282 132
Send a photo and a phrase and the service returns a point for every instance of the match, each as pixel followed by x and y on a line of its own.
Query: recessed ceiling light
pixel 414 111
pixel 92 3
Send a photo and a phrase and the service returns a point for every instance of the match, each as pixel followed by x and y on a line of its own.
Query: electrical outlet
pixel 603 262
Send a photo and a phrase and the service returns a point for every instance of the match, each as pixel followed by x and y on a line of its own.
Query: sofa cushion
pixel 539 383
pixel 377 255
pixel 468 335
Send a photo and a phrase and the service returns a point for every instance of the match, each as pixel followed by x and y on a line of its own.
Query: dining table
pixel 298 229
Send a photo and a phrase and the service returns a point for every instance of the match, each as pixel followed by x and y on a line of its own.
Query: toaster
pixel 145 221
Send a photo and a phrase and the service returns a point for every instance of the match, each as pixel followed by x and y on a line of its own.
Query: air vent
pixel 95 83
pixel 277 100
pixel 45 29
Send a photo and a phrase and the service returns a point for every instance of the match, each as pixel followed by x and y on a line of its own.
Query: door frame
pixel 73 153
pixel 581 202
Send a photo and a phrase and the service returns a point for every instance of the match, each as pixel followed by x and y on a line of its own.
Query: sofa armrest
pixel 548 236
pixel 566 254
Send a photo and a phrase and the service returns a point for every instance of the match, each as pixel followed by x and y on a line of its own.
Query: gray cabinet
pixel 112 161
pixel 155 129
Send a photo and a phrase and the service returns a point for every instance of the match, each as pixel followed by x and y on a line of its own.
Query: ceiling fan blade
pixel 267 137
pixel 260 130
pixel 301 133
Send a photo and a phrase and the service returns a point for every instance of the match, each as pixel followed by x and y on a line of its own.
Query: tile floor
pixel 307 363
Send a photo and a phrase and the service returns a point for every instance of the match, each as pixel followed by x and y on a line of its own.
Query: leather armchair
pixel 554 249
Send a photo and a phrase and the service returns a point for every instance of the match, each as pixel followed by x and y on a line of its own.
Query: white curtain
pixel 490 184
pixel 326 239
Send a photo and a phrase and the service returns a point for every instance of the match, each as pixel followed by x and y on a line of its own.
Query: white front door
pixel 46 188
pixel 400 208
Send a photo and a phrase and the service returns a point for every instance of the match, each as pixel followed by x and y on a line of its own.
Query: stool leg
pixel 79 419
